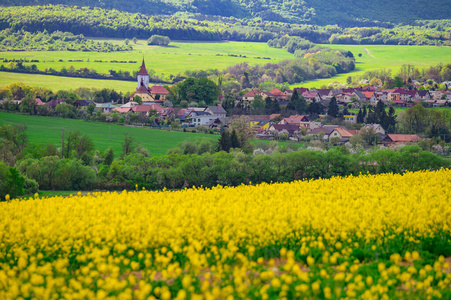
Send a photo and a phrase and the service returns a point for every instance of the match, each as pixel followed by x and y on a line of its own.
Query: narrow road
pixel 368 52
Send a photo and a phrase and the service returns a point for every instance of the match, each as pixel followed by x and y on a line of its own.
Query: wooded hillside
pixel 320 12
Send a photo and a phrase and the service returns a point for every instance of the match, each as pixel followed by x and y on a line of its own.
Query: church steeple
pixel 143 70
pixel 143 77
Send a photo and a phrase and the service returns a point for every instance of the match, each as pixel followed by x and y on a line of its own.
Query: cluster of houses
pixel 271 126
pixel 369 95
pixel 296 126
pixel 264 126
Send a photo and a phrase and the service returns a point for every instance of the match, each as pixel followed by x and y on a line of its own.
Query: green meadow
pixel 176 58
pixel 179 57
pixel 44 130
pixel 57 83
pixel 386 57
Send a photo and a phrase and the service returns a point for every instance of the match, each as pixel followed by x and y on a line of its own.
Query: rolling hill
pixel 320 12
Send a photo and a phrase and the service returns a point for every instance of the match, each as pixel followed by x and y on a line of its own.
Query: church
pixel 154 94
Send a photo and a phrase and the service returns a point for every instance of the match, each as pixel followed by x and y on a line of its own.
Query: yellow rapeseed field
pixel 366 237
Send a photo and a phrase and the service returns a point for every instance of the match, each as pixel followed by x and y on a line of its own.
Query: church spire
pixel 143 70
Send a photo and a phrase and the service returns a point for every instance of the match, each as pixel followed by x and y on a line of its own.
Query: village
pixel 148 106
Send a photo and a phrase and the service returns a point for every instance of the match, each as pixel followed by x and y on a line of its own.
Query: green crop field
pixel 57 83
pixel 43 130
pixel 182 56
pixel 386 57
pixel 174 59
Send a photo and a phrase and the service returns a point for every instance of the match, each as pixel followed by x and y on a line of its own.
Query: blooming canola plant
pixel 367 237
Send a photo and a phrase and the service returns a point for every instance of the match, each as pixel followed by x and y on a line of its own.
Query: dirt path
pixel 368 52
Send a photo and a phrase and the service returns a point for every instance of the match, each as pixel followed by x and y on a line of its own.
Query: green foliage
pixel 178 170
pixel 195 146
pixel 196 90
pixel 13 141
pixel 273 19
pixel 333 108
pixel 11 182
pixel 224 142
pixel 21 40
pixel 129 145
pixel 49 132
pixel 350 13
pixel 54 173
pixel 297 103
pixel 109 156
pixel 158 40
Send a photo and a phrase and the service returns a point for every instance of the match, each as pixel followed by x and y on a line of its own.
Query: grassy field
pixel 176 58
pixel 57 83
pixel 43 130
pixel 388 57
pixel 182 56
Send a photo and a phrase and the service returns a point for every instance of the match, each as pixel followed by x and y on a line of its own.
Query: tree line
pixel 21 40
pixel 76 165
pixel 429 78
pixel 315 62
pixel 319 12
pixel 100 22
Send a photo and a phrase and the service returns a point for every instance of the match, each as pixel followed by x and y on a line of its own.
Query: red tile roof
pixel 344 133
pixel 368 94
pixel 403 138
pixel 122 109
pixel 156 89
pixel 310 95
pixel 142 90
pixel 141 108
pixel 302 90
pixel 251 93
pixel 277 92
pixel 296 119
pixel 157 107
pixel 39 101
pixel 324 92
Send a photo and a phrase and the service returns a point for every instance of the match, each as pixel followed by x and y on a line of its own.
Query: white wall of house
pixel 203 120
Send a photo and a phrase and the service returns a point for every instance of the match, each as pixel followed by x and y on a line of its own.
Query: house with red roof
pixel 278 94
pixel 278 129
pixel 310 96
pixel 301 90
pixel 53 103
pixel 123 110
pixel 396 139
pixel 369 96
pixel 341 133
pixel 325 130
pixel 39 102
pixel 298 120
pixel 250 96
pixel 159 93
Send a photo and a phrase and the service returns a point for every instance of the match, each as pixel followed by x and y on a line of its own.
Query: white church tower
pixel 143 77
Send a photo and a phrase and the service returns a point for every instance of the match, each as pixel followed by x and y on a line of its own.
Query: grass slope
pixel 43 130
pixel 182 56
pixel 57 83
pixel 388 57
pixel 178 57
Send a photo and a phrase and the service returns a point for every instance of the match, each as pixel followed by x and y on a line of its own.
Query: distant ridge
pixel 319 12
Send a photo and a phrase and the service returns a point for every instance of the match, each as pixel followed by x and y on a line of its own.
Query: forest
pixel 21 40
pixel 316 62
pixel 316 12
pixel 99 22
